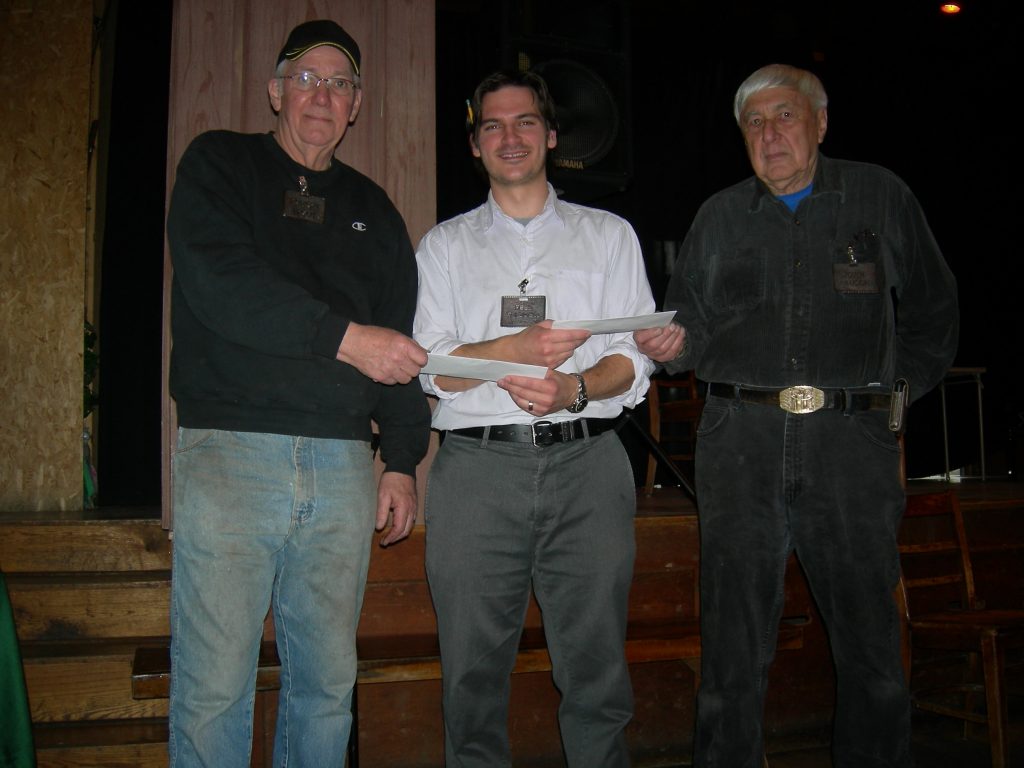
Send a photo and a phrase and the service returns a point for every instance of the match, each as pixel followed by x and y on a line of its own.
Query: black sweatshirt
pixel 261 301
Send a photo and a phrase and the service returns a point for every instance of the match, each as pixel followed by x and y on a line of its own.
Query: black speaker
pixel 581 49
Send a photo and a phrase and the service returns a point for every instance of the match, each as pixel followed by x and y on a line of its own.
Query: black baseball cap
pixel 312 34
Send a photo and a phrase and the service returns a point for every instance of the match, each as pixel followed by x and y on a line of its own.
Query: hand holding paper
pixel 661 344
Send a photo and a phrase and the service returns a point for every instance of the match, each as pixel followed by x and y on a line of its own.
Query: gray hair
pixel 781 76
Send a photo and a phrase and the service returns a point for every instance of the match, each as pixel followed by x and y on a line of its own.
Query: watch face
pixel 581 396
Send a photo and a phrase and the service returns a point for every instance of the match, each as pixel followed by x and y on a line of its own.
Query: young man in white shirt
pixel 531 486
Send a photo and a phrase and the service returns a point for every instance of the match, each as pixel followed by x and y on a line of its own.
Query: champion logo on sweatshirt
pixel 358 226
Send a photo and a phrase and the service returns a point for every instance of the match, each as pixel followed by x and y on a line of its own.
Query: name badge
pixel 855 278
pixel 522 311
pixel 302 206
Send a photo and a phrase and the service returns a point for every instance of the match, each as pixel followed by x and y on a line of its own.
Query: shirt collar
pixel 826 180
pixel 554 209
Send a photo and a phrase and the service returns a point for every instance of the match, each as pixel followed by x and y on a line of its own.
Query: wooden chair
pixel 674 404
pixel 959 646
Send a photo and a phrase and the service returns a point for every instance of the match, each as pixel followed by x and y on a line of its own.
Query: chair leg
pixel 975 669
pixel 993 659
pixel 652 468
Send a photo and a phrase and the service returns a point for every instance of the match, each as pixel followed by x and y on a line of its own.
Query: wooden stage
pixel 994 493
pixel 92 586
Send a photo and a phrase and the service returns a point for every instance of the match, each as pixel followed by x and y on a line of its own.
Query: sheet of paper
pixel 619 324
pixel 475 368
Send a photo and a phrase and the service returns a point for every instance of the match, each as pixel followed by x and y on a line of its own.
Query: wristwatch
pixel 581 395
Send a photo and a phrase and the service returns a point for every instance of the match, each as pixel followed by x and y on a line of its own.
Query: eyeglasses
pixel 307 81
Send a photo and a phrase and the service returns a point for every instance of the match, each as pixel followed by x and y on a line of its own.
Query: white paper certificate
pixel 476 368
pixel 619 324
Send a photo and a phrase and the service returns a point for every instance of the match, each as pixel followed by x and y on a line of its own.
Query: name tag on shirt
pixel 522 311
pixel 303 207
pixel 855 278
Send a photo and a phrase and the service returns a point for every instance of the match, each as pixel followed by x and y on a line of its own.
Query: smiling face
pixel 512 141
pixel 311 123
pixel 782 133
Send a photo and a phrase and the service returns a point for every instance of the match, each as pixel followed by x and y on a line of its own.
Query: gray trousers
pixel 501 517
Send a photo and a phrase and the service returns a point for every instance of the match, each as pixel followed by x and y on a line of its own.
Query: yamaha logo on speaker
pixel 576 165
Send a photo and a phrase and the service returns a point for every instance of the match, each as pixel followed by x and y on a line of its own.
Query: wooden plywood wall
pixel 223 53
pixel 45 80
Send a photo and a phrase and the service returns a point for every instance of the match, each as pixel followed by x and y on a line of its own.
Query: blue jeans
pixel 266 520
pixel 826 485
pixel 501 517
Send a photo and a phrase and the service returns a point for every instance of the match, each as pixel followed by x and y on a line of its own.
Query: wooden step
pixel 85 594
pixel 113 744
pixel 29 546
pixel 76 606
pixel 87 680
pixel 419 659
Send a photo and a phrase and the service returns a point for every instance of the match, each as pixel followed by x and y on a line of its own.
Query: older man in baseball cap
pixel 293 299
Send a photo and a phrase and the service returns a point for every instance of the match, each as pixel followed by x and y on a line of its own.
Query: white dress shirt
pixel 586 262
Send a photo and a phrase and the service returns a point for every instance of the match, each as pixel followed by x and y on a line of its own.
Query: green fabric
pixel 16 749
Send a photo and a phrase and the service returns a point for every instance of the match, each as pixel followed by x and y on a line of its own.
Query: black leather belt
pixel 804 399
pixel 540 432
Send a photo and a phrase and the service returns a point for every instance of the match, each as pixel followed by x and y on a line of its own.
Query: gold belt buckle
pixel 801 399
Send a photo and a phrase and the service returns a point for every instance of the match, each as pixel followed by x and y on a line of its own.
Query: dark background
pixel 928 96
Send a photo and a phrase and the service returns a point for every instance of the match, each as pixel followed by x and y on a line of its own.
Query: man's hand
pixel 540 344
pixel 382 354
pixel 396 501
pixel 661 344
pixel 539 397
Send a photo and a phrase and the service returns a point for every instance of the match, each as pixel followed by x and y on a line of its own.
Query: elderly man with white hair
pixel 815 302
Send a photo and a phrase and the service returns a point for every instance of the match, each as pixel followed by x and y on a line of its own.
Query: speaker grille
pixel 588 118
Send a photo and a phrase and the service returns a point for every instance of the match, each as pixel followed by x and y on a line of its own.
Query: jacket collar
pixel 827 180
